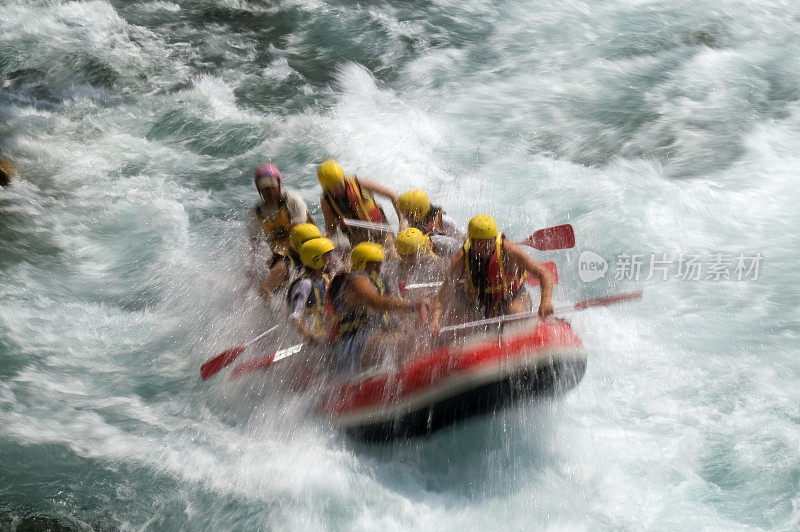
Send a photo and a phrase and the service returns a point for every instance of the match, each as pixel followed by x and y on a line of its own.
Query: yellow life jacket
pixel 348 321
pixel 294 266
pixel 277 227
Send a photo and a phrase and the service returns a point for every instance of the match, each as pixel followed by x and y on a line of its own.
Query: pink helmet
pixel 268 170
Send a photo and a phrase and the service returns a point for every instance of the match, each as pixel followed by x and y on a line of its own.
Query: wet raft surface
pixel 447 385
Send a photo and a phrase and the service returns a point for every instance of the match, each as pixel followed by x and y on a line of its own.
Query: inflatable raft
pixel 480 375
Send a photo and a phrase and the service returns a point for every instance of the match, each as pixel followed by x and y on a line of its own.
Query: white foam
pixel 624 119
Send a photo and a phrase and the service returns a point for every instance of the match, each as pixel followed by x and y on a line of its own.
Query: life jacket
pixel 277 227
pixel 432 223
pixel 315 302
pixel 347 321
pixel 356 204
pixel 489 281
pixel 294 267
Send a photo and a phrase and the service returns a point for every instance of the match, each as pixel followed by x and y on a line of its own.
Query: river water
pixel 666 133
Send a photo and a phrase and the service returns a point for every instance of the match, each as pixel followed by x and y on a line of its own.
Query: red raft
pixel 441 387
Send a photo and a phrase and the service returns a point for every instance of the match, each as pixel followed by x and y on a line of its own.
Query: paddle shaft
pixel 580 305
pixel 550 266
pixel 260 336
pixel 371 226
pixel 265 361
pixel 212 366
pixel 551 238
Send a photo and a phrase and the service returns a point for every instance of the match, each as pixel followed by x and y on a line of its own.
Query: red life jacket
pixel 357 204
pixel 498 285
pixel 433 222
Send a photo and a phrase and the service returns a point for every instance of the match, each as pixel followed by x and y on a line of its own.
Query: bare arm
pixel 304 331
pixel 374 187
pixel 277 275
pixel 445 293
pixel 331 219
pixel 360 291
pixel 388 193
pixel 522 261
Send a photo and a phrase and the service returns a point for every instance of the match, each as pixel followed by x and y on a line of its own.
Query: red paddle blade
pixel 558 237
pixel 550 266
pixel 212 366
pixel 609 300
pixel 253 365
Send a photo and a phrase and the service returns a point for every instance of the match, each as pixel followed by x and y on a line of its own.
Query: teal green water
pixel 653 127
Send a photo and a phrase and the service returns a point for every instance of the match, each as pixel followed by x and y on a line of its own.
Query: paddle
pixel 558 237
pixel 580 305
pixel 432 284
pixel 371 226
pixel 533 281
pixel 213 366
pixel 265 361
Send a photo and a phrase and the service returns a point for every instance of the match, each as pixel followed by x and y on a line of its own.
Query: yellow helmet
pixel 301 233
pixel 366 252
pixel 311 252
pixel 330 174
pixel 482 226
pixel 411 240
pixel 415 203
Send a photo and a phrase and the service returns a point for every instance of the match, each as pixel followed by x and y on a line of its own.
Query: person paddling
pixel 417 210
pixel 361 305
pixel 351 198
pixel 419 262
pixel 493 270
pixel 307 294
pixel 279 210
pixel 287 264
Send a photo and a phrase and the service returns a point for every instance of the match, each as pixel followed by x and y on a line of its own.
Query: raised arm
pixel 375 188
pixel 386 192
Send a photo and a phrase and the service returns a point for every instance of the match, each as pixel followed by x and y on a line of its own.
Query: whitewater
pixel 659 130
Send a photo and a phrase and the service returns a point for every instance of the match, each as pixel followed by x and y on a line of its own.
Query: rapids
pixel 659 130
